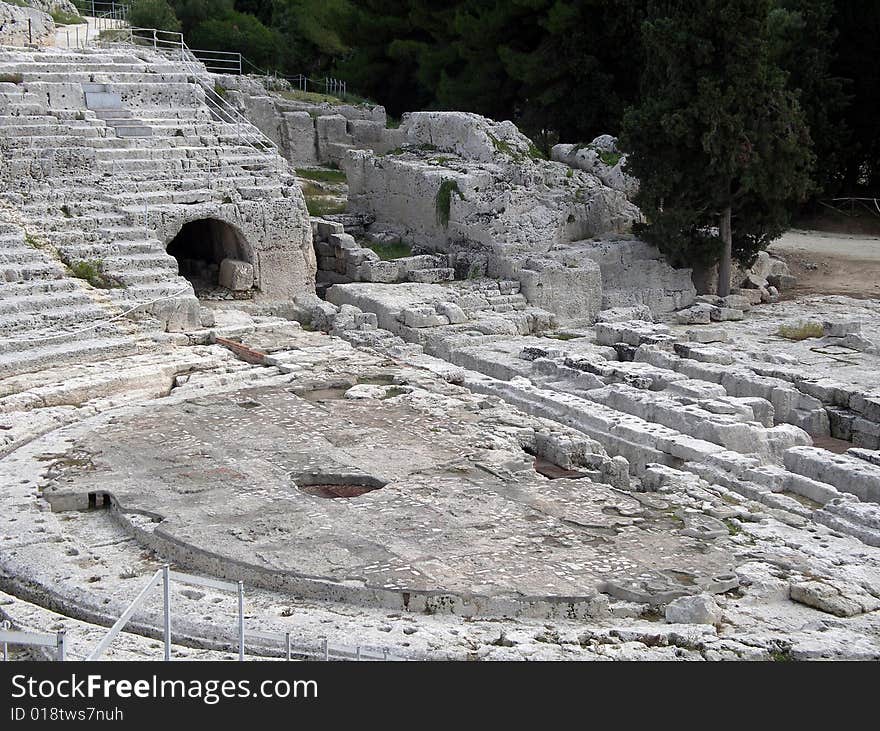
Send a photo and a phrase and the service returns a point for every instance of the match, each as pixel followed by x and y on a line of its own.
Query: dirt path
pixel 831 263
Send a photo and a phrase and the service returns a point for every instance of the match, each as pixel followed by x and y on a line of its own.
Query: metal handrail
pixel 219 62
pixel 23 638
pixel 172 42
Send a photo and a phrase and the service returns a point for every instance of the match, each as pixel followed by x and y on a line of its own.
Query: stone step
pixel 70 316
pixel 148 275
pixel 846 473
pixel 26 271
pixel 43 301
pixel 736 431
pixel 13 291
pixel 19 357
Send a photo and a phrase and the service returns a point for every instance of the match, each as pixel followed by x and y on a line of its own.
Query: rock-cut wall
pixel 22 25
pixel 480 192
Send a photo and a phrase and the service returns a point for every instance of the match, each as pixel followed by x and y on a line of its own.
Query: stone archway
pixel 213 255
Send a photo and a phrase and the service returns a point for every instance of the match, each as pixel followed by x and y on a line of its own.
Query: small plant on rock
pixel 444 200
pixel 93 273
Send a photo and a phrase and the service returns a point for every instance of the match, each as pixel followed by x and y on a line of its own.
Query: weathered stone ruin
pixel 116 157
pixel 474 395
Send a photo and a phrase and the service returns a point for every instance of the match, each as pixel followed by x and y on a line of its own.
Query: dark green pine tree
pixel 803 44
pixel 718 142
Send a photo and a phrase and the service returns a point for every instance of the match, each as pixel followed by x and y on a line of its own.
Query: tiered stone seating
pixel 90 191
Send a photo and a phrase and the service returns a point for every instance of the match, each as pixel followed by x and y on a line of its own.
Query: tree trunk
pixel 726 263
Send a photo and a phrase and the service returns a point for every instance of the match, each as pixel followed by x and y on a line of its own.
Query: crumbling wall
pixel 480 192
pixel 308 133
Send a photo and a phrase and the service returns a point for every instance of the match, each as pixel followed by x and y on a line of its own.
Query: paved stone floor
pixel 463 510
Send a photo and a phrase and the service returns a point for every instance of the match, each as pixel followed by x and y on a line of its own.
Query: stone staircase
pixel 47 315
pixel 105 152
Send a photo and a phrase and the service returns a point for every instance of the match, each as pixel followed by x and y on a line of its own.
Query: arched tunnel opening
pixel 215 258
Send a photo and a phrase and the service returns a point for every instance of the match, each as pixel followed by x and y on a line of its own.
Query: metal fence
pixel 171 44
pixel 219 62
pixel 22 638
pixel 286 647
pixel 106 8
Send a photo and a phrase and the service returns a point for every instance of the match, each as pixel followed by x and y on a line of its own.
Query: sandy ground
pixel 831 263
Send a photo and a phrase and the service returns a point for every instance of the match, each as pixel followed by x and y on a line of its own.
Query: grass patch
pixel 504 148
pixel 322 206
pixel 562 336
pixel 93 272
pixel 316 97
pixel 389 251
pixel 64 18
pixel 801 332
pixel 609 158
pixel 220 90
pixel 444 200
pixel 535 153
pixel 11 78
pixel 322 176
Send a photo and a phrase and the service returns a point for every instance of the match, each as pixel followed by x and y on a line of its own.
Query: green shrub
pixel 64 18
pixel 535 153
pixel 11 78
pixel 609 158
pixel 444 200
pixel 322 176
pixel 324 206
pixel 153 14
pixel 388 252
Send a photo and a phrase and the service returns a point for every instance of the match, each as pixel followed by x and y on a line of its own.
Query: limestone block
pixel 839 598
pixel 327 228
pixel 707 335
pixel 298 138
pixel 738 302
pixel 725 314
pixel 330 129
pixel 431 276
pixel 841 328
pixel 699 609
pixel 624 314
pixel 422 317
pixel 342 240
pixel 452 311
pixel 386 272
pixel 753 296
pixel 699 314
pixel 782 281
pixel 236 275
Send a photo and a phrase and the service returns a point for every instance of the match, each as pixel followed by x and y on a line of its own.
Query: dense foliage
pixel 563 69
pixel 717 139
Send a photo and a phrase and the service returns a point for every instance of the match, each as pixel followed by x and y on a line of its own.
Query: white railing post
pixel 166 591
pixel 287 644
pixel 60 646
pixel 240 622
pixel 4 625
pixel 326 650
